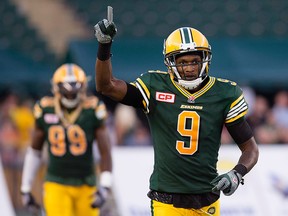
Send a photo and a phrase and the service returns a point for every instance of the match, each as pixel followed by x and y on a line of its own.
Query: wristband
pixel 241 169
pixel 104 53
pixel 106 179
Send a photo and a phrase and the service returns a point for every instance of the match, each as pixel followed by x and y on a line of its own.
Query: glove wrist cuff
pixel 241 169
pixel 104 51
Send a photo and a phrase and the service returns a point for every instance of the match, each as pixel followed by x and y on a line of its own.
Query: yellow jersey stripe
pixel 144 87
pixel 242 105
pixel 132 83
pixel 237 117
pixel 145 100
pixel 236 101
pixel 206 88
pixel 197 94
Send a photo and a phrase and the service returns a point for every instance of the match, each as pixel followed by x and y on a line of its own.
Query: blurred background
pixel 249 40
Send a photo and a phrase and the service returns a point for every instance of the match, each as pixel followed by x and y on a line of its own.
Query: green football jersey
pixel 186 129
pixel 70 137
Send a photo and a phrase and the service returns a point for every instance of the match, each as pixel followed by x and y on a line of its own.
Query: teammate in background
pixel 69 122
pixel 186 109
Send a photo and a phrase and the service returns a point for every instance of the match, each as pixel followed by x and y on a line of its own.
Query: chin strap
pixel 191 84
pixel 70 103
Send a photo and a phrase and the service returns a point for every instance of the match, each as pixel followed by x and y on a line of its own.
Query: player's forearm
pixel 108 85
pixel 250 154
pixel 103 67
pixel 32 163
pixel 103 75
pixel 106 163
pixel 106 169
pixel 104 146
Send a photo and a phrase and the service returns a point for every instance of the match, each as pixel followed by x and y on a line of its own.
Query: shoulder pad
pixel 37 111
pixel 90 102
pixel 47 102
pixel 157 71
pixel 226 81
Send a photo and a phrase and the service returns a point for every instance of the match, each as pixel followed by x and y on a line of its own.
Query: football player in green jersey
pixel 186 109
pixel 69 122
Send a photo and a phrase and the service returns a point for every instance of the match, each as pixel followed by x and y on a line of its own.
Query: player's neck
pixel 68 110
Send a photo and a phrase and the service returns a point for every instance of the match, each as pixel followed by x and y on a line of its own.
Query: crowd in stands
pixel 268 118
pixel 16 125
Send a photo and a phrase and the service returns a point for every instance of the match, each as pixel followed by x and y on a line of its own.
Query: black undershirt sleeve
pixel 133 97
pixel 240 132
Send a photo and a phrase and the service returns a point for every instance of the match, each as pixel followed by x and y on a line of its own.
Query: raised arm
pixel 106 84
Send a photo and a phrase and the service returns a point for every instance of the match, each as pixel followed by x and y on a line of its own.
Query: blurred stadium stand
pixel 136 18
pixel 17 34
pixel 249 38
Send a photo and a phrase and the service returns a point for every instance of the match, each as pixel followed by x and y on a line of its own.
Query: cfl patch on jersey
pixel 51 118
pixel 165 97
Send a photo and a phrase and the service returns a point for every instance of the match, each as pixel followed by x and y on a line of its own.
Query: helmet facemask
pixel 71 93
pixel 170 62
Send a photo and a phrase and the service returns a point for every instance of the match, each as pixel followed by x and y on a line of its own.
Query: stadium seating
pixel 215 18
pixel 225 22
pixel 17 34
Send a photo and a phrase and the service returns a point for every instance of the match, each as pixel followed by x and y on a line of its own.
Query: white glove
pixel 100 197
pixel 228 182
pixel 105 31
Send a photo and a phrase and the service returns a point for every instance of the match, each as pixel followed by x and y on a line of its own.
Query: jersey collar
pixel 193 96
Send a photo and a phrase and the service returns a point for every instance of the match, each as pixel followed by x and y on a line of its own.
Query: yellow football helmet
pixel 187 40
pixel 69 83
